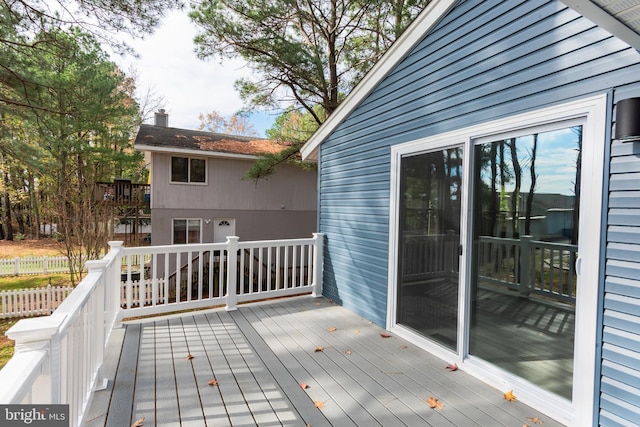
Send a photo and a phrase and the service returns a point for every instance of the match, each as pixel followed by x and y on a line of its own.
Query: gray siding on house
pixel 281 206
pixel 291 187
pixel 250 224
pixel 486 60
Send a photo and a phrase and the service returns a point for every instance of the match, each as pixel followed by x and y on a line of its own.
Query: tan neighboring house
pixel 198 194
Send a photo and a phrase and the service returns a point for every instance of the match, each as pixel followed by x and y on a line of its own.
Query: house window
pixel 185 169
pixel 186 231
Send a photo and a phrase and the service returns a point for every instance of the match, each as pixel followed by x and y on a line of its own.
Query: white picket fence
pixel 32 302
pixel 33 265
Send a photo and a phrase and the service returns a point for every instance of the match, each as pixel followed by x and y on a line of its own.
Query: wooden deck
pixel 261 353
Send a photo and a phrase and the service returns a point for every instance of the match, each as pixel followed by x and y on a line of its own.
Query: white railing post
pixel 525 266
pixel 16 269
pixel 113 285
pixel 318 264
pixel 41 334
pixel 99 267
pixel 232 271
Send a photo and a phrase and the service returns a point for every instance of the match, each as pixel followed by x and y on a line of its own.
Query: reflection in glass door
pixel 525 243
pixel 429 236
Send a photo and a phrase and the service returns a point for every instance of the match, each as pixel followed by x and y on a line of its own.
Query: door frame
pixel 593 112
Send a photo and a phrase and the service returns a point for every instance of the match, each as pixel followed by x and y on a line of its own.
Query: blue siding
pixel 483 61
pixel 620 372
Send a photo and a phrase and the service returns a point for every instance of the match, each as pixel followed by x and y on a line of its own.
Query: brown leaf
pixel 535 420
pixel 385 335
pixel 356 331
pixel 304 386
pixel 332 329
pixel 510 396
pixel 319 348
pixel 189 356
pixel 452 367
pixel 318 404
pixel 348 352
pixel 434 403
pixel 212 382
pixel 138 422
pixel 403 347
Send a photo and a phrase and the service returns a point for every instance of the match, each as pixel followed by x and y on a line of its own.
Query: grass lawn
pixel 8 283
pixel 6 345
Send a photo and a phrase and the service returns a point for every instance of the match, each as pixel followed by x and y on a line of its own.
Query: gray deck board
pixel 124 385
pixel 261 353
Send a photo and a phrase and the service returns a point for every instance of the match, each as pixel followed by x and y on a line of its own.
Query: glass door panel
pixel 429 236
pixel 525 243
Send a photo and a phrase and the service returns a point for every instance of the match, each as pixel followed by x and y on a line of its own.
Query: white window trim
pixel 189 182
pixel 593 112
pixel 173 220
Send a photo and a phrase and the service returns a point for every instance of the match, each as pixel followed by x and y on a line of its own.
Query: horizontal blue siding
pixel 620 374
pixel 484 61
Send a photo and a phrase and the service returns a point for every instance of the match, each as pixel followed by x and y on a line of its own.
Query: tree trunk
pixel 6 202
pixel 532 169
pixel 515 195
pixel 33 207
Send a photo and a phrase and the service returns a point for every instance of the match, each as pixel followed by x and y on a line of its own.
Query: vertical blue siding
pixel 483 61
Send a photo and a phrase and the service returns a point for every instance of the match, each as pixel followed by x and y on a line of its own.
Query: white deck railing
pixel 161 279
pixel 59 358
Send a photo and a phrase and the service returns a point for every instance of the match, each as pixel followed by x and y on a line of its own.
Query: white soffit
pixel 619 17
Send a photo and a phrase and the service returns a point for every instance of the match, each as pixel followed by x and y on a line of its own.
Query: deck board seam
pixel 281 374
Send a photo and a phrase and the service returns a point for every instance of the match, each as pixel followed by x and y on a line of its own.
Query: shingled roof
pixel 167 138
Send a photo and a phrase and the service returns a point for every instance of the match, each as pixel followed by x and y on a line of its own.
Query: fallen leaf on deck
pixel 535 420
pixel 510 396
pixel 434 403
pixel 212 382
pixel 356 331
pixel 319 348
pixel 318 404
pixel 318 303
pixel 189 356
pixel 385 335
pixel 331 329
pixel 403 347
pixel 452 367
pixel 348 352
pixel 138 423
pixel 304 386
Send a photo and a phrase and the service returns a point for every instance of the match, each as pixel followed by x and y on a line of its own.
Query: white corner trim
pixel 423 23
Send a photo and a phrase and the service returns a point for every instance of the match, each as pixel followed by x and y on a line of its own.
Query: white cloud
pixel 190 86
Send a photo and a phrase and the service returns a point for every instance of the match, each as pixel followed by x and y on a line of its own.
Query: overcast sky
pixel 190 86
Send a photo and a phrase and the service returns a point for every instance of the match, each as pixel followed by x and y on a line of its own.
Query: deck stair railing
pixel 59 358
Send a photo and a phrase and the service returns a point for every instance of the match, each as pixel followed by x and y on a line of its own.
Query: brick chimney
pixel 162 118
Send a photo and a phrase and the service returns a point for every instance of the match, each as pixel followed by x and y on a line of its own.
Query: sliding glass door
pixel 429 234
pixel 525 243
